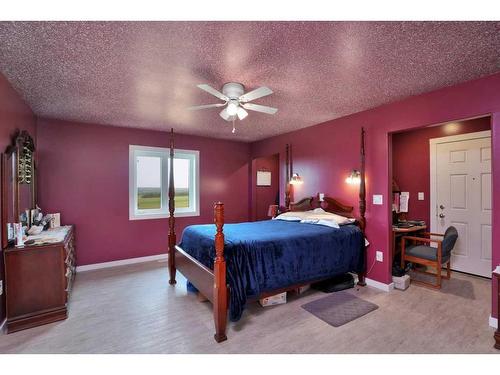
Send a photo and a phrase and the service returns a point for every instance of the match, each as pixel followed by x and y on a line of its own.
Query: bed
pixel 247 261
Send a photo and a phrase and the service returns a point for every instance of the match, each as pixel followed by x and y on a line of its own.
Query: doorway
pixel 461 197
pixel 265 186
pixel 414 178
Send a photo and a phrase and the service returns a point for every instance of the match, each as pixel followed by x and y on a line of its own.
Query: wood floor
pixel 132 309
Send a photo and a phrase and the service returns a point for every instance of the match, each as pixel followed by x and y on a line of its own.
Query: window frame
pixel 164 155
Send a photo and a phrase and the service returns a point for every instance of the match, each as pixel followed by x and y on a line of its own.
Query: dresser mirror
pixel 18 181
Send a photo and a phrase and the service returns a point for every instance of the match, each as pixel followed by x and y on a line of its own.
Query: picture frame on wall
pixel 263 178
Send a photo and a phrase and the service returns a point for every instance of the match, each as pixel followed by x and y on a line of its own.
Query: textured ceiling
pixel 143 74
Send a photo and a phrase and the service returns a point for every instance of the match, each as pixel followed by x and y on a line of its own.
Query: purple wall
pixel 410 153
pixel 83 173
pixel 325 153
pixel 14 114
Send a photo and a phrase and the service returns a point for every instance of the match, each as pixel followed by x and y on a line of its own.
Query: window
pixel 148 182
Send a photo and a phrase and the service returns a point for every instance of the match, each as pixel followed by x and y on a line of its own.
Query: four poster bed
pixel 248 261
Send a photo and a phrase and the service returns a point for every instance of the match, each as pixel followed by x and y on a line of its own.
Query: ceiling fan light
pixel 232 108
pixel 241 113
pixel 226 115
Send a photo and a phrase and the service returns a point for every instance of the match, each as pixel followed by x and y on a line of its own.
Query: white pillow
pixel 316 216
pixel 328 223
pixel 290 216
pixel 327 218
pixel 342 220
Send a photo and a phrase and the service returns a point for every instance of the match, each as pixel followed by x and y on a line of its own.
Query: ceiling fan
pixel 236 101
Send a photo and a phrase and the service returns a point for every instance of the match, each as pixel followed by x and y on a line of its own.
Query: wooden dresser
pixel 39 279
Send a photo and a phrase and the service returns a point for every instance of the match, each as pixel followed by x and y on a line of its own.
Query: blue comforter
pixel 266 255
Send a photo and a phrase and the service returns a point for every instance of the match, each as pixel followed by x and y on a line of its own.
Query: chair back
pixel 449 240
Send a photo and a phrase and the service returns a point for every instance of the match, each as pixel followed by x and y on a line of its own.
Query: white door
pixel 462 189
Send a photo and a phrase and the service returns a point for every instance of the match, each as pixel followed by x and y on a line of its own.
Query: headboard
pixel 304 204
pixel 335 207
pixel 328 204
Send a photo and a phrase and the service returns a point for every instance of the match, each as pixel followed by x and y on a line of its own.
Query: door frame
pixel 433 142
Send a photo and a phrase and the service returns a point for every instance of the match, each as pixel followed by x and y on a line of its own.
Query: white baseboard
pixel 379 285
pixel 96 266
pixel 493 322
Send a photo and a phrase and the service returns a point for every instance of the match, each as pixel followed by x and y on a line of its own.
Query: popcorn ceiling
pixel 144 74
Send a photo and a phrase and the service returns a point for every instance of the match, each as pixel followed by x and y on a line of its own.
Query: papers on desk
pixel 54 235
pixel 403 201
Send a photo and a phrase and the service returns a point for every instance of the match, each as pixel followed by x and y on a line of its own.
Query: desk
pixel 496 276
pixel 400 232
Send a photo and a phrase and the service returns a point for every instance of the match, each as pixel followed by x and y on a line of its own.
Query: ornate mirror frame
pixel 18 168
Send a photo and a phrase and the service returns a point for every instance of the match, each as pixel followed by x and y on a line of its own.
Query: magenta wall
pixel 325 153
pixel 410 153
pixel 14 114
pixel 84 168
pixel 83 173
pixel 263 196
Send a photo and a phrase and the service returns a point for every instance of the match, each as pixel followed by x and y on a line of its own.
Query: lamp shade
pixel 296 179
pixel 354 177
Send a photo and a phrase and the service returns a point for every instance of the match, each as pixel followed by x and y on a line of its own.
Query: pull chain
pixel 234 129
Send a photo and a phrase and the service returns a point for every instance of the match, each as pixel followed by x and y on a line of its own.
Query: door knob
pixel 441 206
pixel 441 216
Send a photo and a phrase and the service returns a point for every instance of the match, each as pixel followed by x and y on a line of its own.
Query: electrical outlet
pixel 1 287
pixel 420 196
pixel 380 256
pixel 377 199
pixel 321 197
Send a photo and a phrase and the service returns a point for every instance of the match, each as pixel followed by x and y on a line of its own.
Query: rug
pixel 339 308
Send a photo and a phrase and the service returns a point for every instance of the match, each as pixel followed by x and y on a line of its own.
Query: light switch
pixel 377 199
pixel 421 196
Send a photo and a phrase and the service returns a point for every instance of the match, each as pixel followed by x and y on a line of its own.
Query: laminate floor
pixel 132 309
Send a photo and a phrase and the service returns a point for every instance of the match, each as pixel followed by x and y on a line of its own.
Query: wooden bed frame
pixel 212 283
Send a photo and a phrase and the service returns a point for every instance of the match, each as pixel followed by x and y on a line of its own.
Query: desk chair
pixel 430 256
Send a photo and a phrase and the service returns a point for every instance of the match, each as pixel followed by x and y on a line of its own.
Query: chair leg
pixel 448 272
pixel 438 271
pixel 437 275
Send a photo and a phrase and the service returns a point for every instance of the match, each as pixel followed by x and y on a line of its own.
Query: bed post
pixel 220 286
pixel 362 200
pixel 287 177
pixel 171 209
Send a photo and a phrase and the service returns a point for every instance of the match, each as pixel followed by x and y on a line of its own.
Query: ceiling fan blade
pixel 214 92
pixel 255 94
pixel 226 116
pixel 260 108
pixel 197 107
